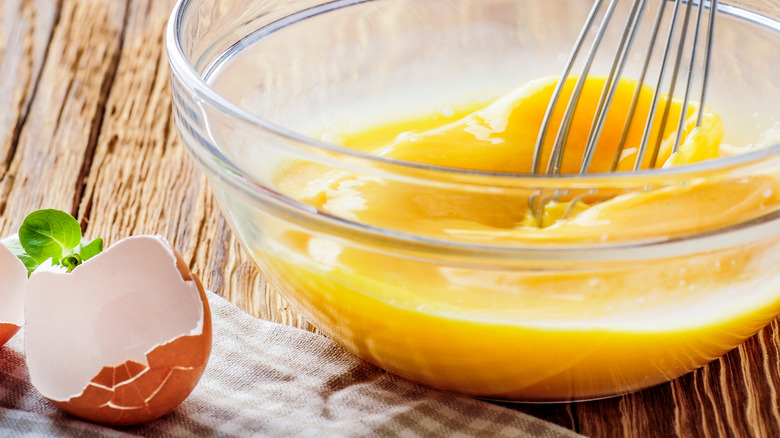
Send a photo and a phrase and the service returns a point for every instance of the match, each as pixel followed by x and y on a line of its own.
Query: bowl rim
pixel 189 77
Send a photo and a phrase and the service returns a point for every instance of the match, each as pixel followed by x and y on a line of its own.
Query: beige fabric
pixel 266 379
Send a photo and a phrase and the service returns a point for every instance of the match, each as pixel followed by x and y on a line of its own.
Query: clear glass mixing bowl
pixel 590 315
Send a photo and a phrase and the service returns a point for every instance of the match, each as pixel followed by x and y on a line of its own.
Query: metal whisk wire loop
pixel 680 56
pixel 677 52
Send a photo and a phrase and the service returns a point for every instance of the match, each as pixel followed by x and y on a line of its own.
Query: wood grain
pixel 86 126
pixel 25 35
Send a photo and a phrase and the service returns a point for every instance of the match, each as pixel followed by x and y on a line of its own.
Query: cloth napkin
pixel 267 379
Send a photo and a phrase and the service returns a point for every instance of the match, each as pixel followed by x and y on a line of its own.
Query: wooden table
pixel 86 125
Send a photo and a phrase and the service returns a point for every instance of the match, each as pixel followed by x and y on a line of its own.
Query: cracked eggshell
pixel 122 339
pixel 13 284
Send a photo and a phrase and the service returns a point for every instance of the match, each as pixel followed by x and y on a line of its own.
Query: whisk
pixel 680 52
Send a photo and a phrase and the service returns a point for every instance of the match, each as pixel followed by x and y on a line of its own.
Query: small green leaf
pixel 71 261
pixel 91 249
pixel 49 233
pixel 52 234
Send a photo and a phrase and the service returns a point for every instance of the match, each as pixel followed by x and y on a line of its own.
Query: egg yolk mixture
pixel 527 331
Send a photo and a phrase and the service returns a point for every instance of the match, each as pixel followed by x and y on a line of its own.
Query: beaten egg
pixel 531 333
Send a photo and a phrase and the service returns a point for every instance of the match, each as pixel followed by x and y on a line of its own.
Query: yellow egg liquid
pixel 536 330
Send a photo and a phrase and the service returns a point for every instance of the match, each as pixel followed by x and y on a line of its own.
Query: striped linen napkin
pixel 267 379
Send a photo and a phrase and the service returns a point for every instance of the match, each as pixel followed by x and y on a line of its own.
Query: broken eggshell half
pixel 12 288
pixel 122 339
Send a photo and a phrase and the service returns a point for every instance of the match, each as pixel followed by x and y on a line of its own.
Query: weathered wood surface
pixel 86 126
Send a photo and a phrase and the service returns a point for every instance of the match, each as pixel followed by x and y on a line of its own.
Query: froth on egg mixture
pixel 532 333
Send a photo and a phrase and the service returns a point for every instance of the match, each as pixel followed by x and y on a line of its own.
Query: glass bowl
pixel 259 88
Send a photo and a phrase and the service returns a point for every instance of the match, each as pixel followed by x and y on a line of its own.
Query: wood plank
pixel 734 396
pixel 60 129
pixel 25 32
pixel 139 180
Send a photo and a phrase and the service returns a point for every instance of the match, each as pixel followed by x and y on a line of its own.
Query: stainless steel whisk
pixel 672 58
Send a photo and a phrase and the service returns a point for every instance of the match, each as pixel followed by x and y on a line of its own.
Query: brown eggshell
pixel 13 284
pixel 121 340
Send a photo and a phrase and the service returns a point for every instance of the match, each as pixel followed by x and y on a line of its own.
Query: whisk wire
pixel 657 93
pixel 537 157
pixel 707 58
pixel 556 156
pixel 638 89
pixel 608 92
pixel 672 87
pixel 689 81
pixel 670 64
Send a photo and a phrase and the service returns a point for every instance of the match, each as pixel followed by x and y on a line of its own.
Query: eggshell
pixel 13 279
pixel 123 338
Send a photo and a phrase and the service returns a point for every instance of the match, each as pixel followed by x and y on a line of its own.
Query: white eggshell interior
pixel 13 279
pixel 117 306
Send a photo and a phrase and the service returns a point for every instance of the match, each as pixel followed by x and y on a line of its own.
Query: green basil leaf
pixel 49 233
pixel 91 249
